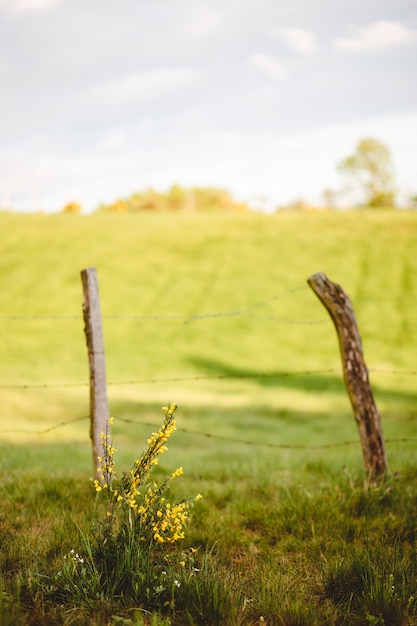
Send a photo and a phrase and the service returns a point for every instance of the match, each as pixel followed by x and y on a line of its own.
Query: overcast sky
pixel 101 98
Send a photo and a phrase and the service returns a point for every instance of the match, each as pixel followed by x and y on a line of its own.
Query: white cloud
pixel 142 86
pixel 201 20
pixel 24 6
pixel 377 36
pixel 301 41
pixel 269 65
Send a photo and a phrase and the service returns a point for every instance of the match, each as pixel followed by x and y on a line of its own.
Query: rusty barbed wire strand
pixel 179 379
pixel 287 446
pixel 43 431
pixel 264 443
pixel 186 318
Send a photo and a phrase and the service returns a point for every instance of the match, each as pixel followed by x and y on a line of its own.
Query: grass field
pixel 213 312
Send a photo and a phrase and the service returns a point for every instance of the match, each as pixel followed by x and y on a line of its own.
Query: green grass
pixel 318 549
pixel 293 535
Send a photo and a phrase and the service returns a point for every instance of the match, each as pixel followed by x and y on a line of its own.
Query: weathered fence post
pixel 99 409
pixel 355 373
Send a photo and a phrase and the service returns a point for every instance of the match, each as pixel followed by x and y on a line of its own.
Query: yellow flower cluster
pixel 143 503
pixel 178 472
pixel 170 409
pixel 164 521
pixel 169 527
pixel 156 446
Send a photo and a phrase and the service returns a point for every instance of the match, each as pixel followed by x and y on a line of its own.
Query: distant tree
pixel 299 204
pixel 211 199
pixel 118 206
pixel 371 170
pixel 72 207
pixel 177 198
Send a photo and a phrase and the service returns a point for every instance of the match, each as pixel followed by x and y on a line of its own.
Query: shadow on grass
pixel 201 431
pixel 317 382
pixel 287 433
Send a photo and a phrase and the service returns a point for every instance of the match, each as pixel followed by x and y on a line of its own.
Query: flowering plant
pixel 136 501
pixel 125 556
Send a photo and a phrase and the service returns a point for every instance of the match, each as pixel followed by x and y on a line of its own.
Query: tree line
pixel 368 172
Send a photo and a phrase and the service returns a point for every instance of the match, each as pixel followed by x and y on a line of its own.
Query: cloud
pixel 25 6
pixel 375 37
pixel 301 41
pixel 142 86
pixel 269 65
pixel 201 20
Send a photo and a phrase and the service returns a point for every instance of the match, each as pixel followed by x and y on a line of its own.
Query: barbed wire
pixel 49 429
pixel 267 444
pixel 179 379
pixel 186 318
pixel 393 372
pixel 171 380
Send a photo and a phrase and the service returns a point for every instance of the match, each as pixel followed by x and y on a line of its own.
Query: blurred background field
pixel 212 312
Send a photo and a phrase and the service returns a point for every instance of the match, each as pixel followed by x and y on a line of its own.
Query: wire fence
pixel 249 311
pixel 198 433
pixel 179 379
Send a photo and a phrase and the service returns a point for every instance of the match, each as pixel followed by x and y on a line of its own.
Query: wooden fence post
pixel 355 373
pixel 99 409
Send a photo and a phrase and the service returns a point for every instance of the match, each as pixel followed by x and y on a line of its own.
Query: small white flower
pixel 177 583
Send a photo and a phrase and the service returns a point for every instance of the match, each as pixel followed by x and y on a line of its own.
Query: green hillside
pixel 208 311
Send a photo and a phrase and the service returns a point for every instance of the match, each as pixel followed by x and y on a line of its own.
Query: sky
pixel 102 98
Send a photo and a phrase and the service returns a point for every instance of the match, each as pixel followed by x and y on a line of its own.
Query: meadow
pixel 213 312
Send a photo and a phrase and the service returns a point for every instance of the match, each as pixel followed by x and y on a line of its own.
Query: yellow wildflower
pixel 170 409
pixel 178 472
